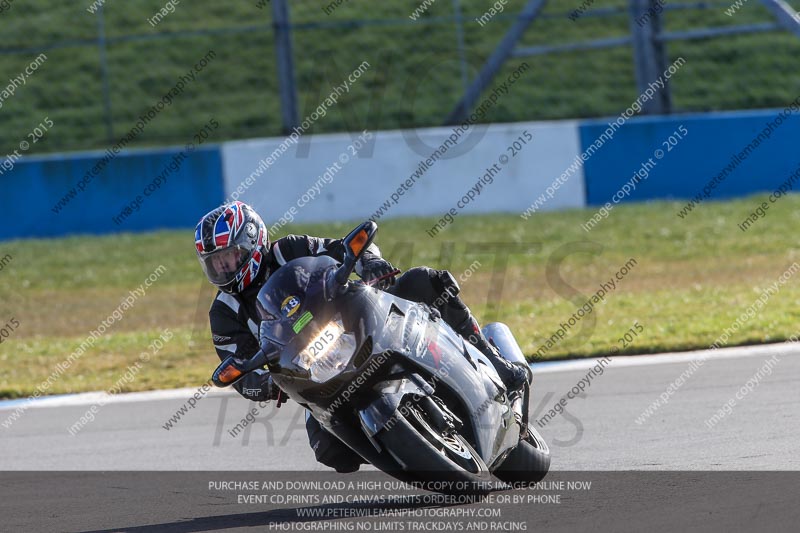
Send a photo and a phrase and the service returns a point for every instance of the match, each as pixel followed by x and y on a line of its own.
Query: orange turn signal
pixel 358 242
pixel 229 374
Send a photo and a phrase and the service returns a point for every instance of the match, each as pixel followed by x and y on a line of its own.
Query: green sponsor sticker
pixel 304 319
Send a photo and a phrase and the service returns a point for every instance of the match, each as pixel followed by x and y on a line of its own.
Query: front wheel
pixel 529 462
pixel 439 457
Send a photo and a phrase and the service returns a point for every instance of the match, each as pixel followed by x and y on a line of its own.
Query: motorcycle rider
pixel 234 250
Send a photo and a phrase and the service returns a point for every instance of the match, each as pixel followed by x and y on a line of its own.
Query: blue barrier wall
pixel 705 152
pixel 42 198
pixel 161 189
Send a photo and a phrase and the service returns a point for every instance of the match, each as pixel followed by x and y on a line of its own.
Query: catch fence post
pixel 649 54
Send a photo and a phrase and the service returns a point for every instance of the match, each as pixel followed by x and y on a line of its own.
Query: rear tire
pixel 529 462
pixel 443 461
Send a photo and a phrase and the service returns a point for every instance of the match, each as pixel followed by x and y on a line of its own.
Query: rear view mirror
pixel 359 242
pixel 356 242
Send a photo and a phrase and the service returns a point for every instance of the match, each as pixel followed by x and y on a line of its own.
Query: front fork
pixel 380 412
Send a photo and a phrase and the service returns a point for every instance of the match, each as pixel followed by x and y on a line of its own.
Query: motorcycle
pixel 391 379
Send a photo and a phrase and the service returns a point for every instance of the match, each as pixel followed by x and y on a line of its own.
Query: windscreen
pixel 293 296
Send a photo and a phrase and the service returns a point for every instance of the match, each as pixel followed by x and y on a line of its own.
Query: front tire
pixel 440 458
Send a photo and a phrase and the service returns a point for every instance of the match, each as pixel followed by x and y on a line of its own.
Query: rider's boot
pixel 514 376
pixel 455 312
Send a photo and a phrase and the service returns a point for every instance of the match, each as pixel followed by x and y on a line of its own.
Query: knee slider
pixel 335 454
pixel 417 284
pixel 329 450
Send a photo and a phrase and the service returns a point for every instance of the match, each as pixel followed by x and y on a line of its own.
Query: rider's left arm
pixel 370 266
pixel 294 246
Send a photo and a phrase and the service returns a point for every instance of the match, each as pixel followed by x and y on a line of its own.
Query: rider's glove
pixel 258 386
pixel 373 267
pixel 275 393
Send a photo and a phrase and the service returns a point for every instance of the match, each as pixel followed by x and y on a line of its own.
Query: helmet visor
pixel 222 266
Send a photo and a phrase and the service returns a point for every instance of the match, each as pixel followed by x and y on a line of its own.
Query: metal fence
pixel 431 61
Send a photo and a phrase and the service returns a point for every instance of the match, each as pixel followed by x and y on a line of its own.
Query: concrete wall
pixel 348 177
pixel 356 187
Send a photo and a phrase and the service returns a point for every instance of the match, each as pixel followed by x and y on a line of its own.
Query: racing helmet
pixel 232 243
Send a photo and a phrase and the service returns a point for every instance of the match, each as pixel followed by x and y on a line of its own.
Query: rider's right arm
pixel 233 338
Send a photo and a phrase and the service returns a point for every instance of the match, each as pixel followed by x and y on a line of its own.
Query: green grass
pixel 691 281
pixel 415 79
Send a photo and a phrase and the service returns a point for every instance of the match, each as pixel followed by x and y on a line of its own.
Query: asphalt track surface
pixel 670 471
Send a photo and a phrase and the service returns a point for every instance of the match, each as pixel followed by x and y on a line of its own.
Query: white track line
pixel 760 350
pixel 90 398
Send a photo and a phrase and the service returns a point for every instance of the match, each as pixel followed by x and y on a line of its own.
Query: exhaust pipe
pixel 501 336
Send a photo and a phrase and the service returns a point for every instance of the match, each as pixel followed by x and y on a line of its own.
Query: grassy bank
pixel 414 80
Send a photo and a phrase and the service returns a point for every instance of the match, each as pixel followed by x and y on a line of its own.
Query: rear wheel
pixel 529 462
pixel 434 452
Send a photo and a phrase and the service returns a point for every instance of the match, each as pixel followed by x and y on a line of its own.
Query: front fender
pixel 389 394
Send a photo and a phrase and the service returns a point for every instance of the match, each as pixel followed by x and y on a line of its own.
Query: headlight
pixel 328 352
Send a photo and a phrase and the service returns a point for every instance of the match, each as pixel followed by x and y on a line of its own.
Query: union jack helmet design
pixel 231 243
